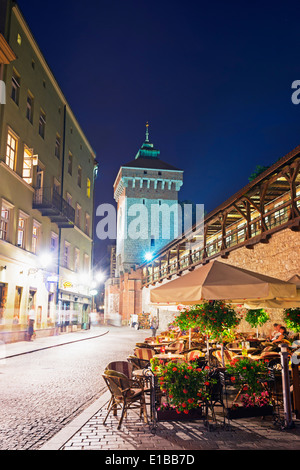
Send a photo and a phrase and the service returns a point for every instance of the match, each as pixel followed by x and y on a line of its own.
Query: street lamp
pixel 148 256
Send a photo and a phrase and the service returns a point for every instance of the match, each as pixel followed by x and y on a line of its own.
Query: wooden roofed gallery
pixel 268 204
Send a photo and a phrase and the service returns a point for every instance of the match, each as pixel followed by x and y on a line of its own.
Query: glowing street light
pixel 148 256
pixel 99 277
pixel 45 260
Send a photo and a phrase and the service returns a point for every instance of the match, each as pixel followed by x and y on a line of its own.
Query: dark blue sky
pixel 212 78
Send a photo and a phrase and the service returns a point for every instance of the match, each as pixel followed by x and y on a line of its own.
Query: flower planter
pixel 172 415
pixel 249 412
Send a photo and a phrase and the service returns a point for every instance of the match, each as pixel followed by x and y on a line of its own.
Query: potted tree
pixel 218 321
pixel 256 317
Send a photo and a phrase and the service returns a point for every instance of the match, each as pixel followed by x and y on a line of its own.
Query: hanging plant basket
pixel 249 412
pixel 170 414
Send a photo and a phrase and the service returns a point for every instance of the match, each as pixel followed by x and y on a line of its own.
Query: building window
pixel 76 260
pixel 29 107
pixel 57 146
pixel 86 262
pixel 70 163
pixel 54 243
pixel 19 39
pixel 17 307
pixel 88 188
pixel 15 87
pixel 78 215
pixel 35 237
pixel 11 150
pixel 87 224
pixel 4 222
pixel 66 259
pixel 79 176
pixel 69 199
pixel 21 231
pixel 27 165
pixel 42 124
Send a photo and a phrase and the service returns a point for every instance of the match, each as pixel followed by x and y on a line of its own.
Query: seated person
pixel 275 333
pixel 280 336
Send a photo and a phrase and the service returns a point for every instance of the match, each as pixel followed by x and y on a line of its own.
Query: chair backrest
pixel 121 366
pixel 227 356
pixel 116 382
pixel 144 353
pixel 196 354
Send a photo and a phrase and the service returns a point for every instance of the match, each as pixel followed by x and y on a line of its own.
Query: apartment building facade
pixel 47 176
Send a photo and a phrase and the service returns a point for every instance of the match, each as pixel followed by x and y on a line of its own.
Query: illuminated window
pixel 11 150
pixel 88 188
pixel 35 236
pixel 29 107
pixel 4 222
pixel 15 87
pixel 21 232
pixel 19 39
pixel 27 166
pixel 42 124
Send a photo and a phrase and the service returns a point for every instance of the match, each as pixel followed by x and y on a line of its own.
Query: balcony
pixel 52 205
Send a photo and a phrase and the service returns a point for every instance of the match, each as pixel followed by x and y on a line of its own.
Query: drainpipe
pixel 62 189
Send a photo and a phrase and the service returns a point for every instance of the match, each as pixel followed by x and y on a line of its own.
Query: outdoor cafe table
pixel 239 350
pixel 169 357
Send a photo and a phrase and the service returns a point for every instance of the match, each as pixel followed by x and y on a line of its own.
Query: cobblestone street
pixel 43 391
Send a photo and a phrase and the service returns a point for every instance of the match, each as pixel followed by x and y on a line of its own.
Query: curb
pixel 41 348
pixel 63 436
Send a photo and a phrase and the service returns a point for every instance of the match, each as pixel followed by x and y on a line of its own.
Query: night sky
pixel 212 78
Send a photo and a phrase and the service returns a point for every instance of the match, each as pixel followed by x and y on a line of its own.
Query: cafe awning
pixel 293 302
pixel 220 281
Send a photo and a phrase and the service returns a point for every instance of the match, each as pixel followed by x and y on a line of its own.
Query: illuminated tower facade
pixel 146 191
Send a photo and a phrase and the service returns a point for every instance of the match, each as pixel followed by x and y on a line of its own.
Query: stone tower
pixel 146 192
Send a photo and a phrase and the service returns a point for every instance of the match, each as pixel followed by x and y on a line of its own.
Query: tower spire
pixel 147 131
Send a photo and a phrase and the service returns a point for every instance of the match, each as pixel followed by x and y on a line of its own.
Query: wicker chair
pixel 124 395
pixel 124 367
pixel 194 354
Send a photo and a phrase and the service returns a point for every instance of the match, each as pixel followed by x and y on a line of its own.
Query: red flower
pixel 185 391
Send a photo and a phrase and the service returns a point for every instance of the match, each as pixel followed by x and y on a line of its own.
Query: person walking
pixel 30 330
pixel 154 326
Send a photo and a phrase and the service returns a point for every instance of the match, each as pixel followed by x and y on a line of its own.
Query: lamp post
pixel 286 386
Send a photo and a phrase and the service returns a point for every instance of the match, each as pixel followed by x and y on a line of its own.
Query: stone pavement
pixel 87 432
pixel 250 434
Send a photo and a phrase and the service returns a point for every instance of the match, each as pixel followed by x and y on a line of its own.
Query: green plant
pixel 257 317
pixel 251 376
pixel 189 317
pixel 218 320
pixel 185 385
pixel 215 319
pixel 292 319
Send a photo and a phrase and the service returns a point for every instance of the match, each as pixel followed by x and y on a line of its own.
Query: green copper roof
pixel 147 150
